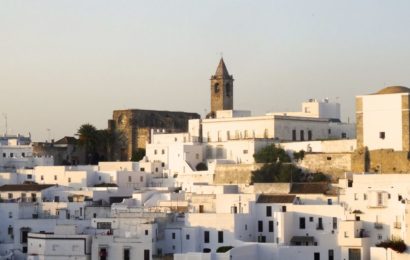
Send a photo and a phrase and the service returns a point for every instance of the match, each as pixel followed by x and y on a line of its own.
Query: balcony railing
pixel 397 225
pixel 378 226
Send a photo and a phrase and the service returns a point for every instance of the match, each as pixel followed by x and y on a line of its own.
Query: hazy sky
pixel 65 63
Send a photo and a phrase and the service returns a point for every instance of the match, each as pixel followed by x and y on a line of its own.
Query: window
pixel 103 225
pixel 142 169
pixel 344 135
pixel 310 135
pixel 155 151
pixel 271 226
pixel 316 256
pixel 216 88
pixel 334 223
pixel 4 155
pixel 11 155
pixel 42 177
pixel 302 135
pixel 269 211
pixel 302 223
pixel 266 133
pixel 23 155
pixel 245 151
pixel 283 208
pixel 329 202
pixel 55 177
pixel 94 215
pixel 260 226
pixel 10 195
pixel 173 235
pixel 206 236
pixel 69 179
pixel 329 131
pixel 364 196
pixel 187 237
pixel 320 224
pixel 126 254
pixel 220 236
pixel 147 254
pixel 293 135
pixel 146 232
pixel 163 151
pixel 228 90
pixel 310 219
pixel 156 169
pixel 29 176
pixel 382 135
pixel 129 179
pixel 355 196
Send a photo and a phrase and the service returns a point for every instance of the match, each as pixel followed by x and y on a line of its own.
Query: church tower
pixel 221 89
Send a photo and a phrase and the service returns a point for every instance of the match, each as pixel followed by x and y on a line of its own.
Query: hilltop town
pixel 232 185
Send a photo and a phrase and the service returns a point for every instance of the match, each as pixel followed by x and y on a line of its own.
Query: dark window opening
pixel 260 226
pixel 302 223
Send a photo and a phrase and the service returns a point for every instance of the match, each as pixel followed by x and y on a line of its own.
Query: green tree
pixel 88 138
pixel 277 172
pixel 138 155
pixel 271 154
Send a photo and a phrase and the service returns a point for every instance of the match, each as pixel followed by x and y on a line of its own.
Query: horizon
pixel 65 64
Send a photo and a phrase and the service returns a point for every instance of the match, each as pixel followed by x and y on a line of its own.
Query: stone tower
pixel 221 89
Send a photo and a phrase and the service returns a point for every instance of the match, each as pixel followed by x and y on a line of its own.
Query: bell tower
pixel 221 89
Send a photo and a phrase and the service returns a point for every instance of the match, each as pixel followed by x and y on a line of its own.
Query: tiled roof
pixel 275 198
pixel 25 187
pixel 309 188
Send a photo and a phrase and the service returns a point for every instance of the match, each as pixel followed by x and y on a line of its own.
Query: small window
pixel 334 223
pixel 11 155
pixel 344 135
pixel 293 135
pixel 10 195
pixel 155 151
pixel 29 176
pixel 4 155
pixel 162 164
pixel 302 223
pixel 206 236
pixel 146 232
pixel 99 178
pixel 329 158
pixel 129 178
pixel 173 235
pixel 382 135
pixel 270 226
pixel 156 169
pixel 220 236
pixel 329 131
pixel 55 177
pixel 260 226
pixel 187 237
pixel 245 151
pixel 302 135
pixel 269 211
pixel 69 180
pixel 310 219
pixel 163 151
pixel 142 169
pixel 42 177
pixel 23 155
pixel 127 255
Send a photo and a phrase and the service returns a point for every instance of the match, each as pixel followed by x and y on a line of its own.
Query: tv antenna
pixel 5 121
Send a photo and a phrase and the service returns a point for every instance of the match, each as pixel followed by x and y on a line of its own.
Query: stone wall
pixel 136 125
pixel 382 161
pixel 333 164
pixel 234 173
pixel 273 188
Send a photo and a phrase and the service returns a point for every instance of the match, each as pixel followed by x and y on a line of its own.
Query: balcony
pixel 397 225
pixel 378 225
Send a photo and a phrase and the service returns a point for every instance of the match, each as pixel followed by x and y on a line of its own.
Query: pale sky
pixel 65 63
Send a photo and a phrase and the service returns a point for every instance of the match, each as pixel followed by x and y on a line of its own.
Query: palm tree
pixel 88 138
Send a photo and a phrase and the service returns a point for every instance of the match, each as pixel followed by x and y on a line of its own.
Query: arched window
pixel 216 87
pixel 228 90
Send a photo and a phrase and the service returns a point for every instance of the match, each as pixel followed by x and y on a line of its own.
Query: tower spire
pixel 222 71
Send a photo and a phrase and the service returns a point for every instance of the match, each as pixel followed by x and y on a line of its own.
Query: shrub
pixel 397 245
pixel 201 167
pixel 271 154
pixel 223 249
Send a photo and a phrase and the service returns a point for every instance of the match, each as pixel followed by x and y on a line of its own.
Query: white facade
pixel 382 121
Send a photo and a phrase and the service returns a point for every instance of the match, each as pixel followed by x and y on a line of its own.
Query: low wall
pixel 234 173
